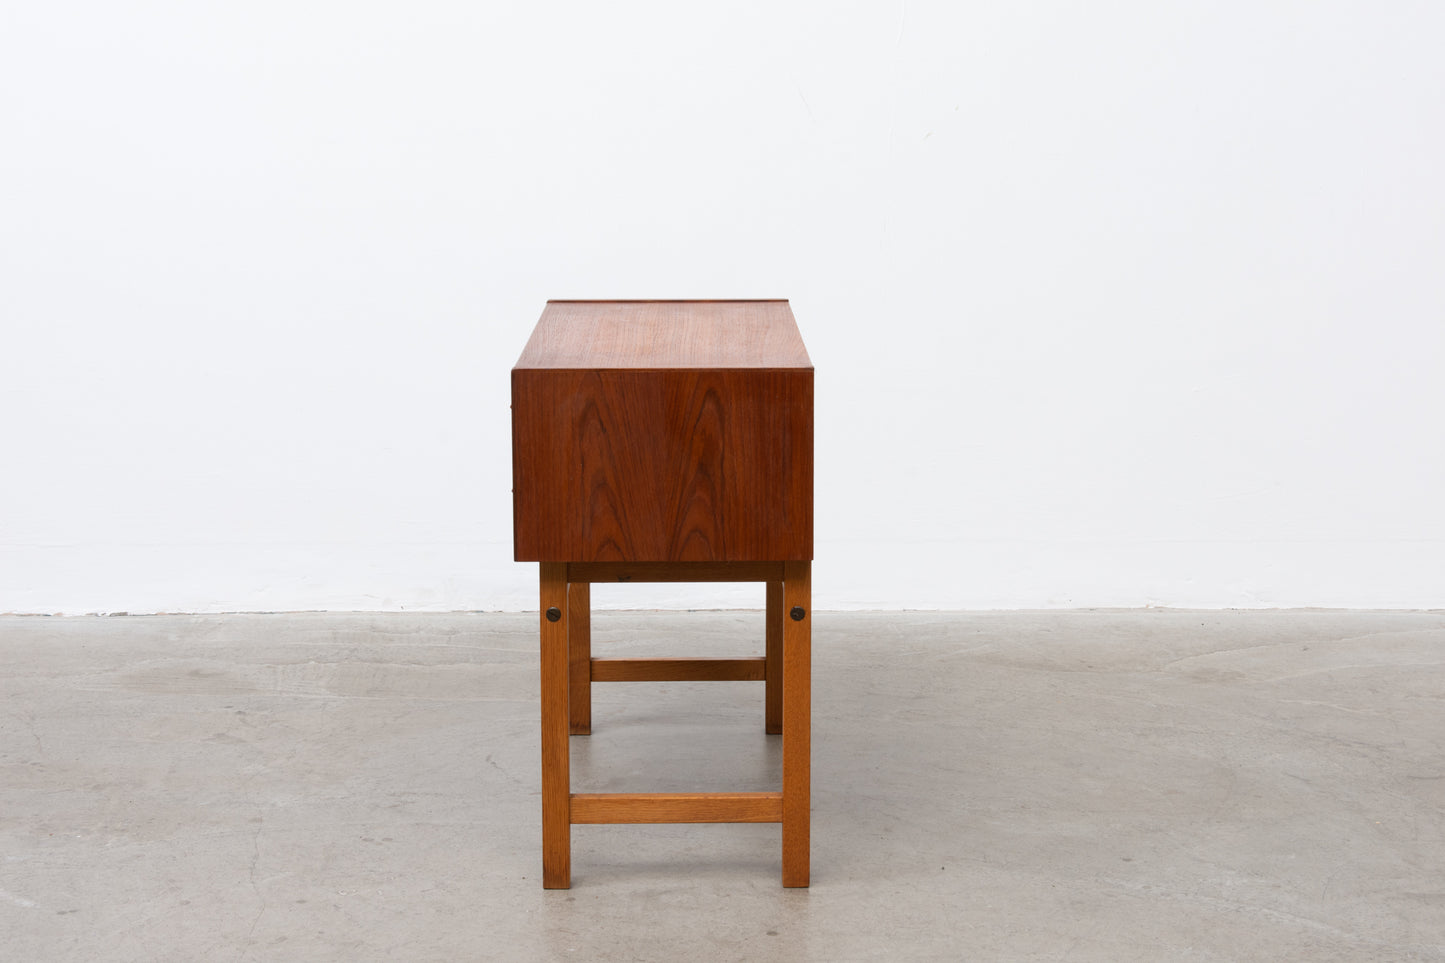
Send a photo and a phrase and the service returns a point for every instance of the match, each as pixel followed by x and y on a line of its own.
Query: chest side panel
pixel 675 465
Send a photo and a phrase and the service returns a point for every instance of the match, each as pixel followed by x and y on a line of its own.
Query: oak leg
pixel 579 655
pixel 556 775
pixel 773 672
pixel 797 713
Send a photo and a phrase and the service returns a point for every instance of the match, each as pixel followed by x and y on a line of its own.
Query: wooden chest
pixel 663 431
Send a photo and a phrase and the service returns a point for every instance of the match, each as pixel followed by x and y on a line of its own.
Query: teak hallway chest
pixel 667 441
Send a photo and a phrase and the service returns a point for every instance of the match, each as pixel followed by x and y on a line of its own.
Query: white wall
pixel 1111 303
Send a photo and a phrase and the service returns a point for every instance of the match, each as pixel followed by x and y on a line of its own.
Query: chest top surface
pixel 665 334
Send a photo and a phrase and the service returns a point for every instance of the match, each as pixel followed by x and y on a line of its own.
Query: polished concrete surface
pixel 1085 785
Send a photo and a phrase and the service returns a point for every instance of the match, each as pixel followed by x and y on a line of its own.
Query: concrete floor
pixel 1087 785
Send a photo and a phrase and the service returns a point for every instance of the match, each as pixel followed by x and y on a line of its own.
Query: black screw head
pixel 797 613
pixel 554 614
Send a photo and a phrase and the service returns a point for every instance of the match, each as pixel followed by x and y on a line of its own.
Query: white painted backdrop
pixel 1115 303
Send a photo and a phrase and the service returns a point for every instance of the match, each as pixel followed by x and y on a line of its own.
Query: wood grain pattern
pixel 797 729
pixel 677 670
pixel 663 431
pixel 665 334
pixel 686 807
pixel 556 772
pixel 666 466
